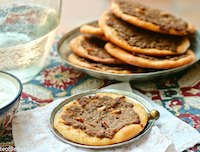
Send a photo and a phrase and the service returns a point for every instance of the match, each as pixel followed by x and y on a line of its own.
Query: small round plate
pixel 64 51
pixel 132 96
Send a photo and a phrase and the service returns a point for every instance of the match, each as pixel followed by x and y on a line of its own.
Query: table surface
pixel 179 94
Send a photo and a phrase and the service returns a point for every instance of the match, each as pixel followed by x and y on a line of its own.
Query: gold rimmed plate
pixel 153 115
pixel 64 51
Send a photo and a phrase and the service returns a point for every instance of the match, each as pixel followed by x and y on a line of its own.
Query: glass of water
pixel 27 32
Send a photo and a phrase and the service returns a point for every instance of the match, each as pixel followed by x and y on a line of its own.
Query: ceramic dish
pixel 153 115
pixel 64 51
pixel 10 92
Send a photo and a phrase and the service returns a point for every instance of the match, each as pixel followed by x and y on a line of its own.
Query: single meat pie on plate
pixel 101 119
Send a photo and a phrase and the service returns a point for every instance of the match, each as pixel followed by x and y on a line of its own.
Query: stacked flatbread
pixel 132 38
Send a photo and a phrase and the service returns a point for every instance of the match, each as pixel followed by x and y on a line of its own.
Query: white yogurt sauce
pixel 8 91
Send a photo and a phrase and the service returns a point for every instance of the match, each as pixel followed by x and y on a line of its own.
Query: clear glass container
pixel 27 32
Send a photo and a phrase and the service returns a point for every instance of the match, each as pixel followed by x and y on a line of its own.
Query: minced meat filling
pixel 101 116
pixel 95 47
pixel 141 38
pixel 165 20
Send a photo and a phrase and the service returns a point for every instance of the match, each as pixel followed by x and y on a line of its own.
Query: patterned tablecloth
pixel 179 94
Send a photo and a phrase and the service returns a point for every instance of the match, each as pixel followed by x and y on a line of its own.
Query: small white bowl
pixel 10 92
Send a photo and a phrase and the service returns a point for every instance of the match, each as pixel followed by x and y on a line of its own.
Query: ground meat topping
pixel 95 47
pixel 101 116
pixel 165 20
pixel 141 38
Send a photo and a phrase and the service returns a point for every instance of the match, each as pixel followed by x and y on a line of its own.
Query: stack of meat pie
pixel 132 38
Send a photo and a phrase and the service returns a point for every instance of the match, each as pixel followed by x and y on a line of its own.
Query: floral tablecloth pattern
pixel 179 94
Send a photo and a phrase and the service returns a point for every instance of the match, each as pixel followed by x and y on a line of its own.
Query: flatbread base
pixel 81 62
pixel 112 36
pixel 78 48
pixel 150 62
pixel 147 25
pixel 90 29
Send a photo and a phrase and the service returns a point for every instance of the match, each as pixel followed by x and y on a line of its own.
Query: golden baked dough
pixel 124 134
pixel 143 10
pixel 150 62
pixel 179 44
pixel 81 62
pixel 92 48
pixel 93 29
